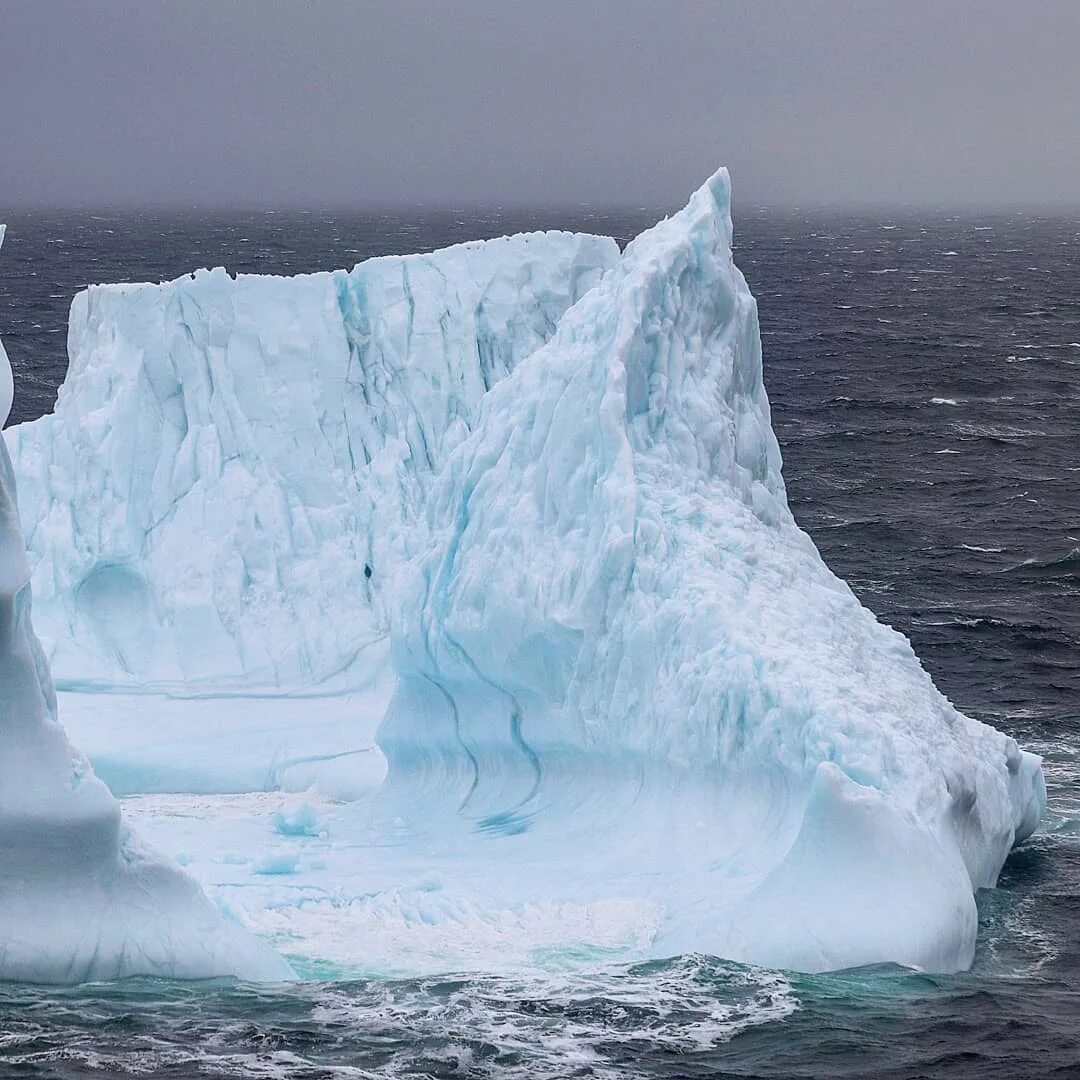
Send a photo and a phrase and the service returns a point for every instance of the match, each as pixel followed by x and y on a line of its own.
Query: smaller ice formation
pixel 81 898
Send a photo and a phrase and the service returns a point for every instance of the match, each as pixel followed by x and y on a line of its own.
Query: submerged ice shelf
pixel 518 506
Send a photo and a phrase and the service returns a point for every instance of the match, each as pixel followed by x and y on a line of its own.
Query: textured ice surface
pixel 631 712
pixel 81 898
pixel 235 466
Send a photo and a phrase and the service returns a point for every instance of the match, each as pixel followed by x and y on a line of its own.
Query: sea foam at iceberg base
pixel 517 505
pixel 81 897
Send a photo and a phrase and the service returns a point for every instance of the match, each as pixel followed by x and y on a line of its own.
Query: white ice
pixel 523 498
pixel 81 897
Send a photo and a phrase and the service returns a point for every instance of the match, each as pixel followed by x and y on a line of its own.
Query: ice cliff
pixel 81 898
pixel 235 466
pixel 623 678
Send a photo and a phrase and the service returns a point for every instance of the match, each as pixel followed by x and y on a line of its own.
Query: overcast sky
pixel 320 103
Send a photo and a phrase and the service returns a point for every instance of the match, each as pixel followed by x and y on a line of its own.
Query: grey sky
pixel 333 103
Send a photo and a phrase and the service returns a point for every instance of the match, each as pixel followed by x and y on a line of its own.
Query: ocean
pixel 924 374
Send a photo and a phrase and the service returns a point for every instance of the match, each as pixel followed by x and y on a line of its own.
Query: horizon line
pixel 374 207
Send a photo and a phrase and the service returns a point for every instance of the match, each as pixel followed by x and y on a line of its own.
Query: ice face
pixel 528 492
pixel 81 898
pixel 235 466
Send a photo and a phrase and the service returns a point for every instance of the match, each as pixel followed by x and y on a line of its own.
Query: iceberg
pixel 81 897
pixel 519 506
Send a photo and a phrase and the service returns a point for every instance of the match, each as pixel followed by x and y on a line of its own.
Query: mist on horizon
pixel 265 103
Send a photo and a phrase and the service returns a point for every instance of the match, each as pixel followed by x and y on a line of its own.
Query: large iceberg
pixel 528 492
pixel 81 897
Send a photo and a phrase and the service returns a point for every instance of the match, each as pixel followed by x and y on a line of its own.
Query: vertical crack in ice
pixel 474 765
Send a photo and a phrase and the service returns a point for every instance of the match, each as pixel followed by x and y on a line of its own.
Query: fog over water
pixel 266 103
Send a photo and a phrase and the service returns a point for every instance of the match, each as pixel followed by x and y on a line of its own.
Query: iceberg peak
pixel 7 383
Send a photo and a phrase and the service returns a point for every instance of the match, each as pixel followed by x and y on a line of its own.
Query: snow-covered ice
pixel 522 497
pixel 81 897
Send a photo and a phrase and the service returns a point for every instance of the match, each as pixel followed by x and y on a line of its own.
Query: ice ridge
pixel 293 425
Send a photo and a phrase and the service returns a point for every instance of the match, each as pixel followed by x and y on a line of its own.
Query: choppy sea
pixel 924 373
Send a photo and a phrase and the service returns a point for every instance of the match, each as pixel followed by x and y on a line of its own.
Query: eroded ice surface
pixel 631 712
pixel 81 897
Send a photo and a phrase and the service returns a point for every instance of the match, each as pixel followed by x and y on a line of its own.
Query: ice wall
pixel 235 465
pixel 80 897
pixel 619 640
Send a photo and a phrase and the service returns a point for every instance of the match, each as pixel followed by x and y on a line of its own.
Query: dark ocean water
pixel 925 381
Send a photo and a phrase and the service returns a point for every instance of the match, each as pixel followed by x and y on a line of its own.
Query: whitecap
pixel 684 1005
